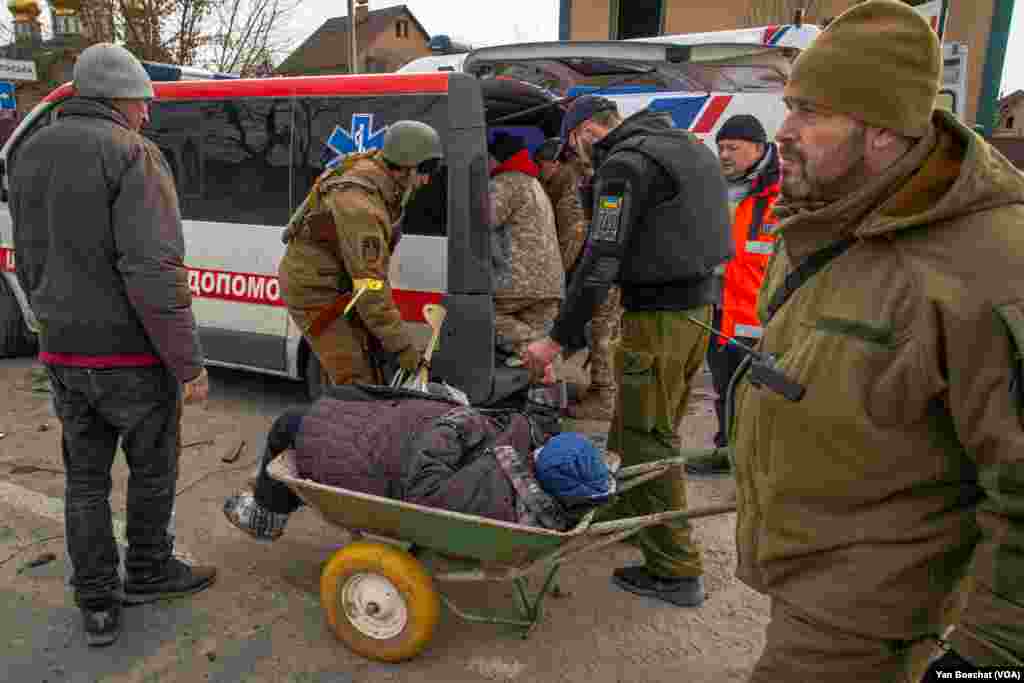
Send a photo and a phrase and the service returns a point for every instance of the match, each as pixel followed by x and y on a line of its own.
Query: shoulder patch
pixel 607 218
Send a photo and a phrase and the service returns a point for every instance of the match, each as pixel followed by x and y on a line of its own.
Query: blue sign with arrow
pixel 6 95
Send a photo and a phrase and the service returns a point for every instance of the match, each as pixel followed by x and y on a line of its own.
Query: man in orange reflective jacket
pixel 751 165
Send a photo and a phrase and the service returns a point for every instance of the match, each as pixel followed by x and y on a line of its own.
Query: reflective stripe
pixel 750 331
pixel 759 247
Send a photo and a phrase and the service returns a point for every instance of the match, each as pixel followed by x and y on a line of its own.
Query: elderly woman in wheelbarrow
pixel 430 450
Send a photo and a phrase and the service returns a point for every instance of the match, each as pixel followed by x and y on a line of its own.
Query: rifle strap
pixel 804 272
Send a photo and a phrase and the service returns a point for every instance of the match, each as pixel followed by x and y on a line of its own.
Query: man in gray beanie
pixel 881 499
pixel 101 258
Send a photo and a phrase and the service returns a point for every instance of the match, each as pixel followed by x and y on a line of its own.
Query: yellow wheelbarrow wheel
pixel 379 601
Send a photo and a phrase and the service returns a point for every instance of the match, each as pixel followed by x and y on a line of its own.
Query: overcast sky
pixel 491 22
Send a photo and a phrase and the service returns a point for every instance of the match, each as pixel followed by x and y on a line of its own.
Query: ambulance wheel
pixel 314 375
pixel 15 338
pixel 379 601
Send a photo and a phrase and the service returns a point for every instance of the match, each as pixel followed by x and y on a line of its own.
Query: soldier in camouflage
pixel 529 277
pixel 334 274
pixel 560 179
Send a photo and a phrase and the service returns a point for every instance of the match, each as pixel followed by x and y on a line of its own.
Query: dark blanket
pixel 421 451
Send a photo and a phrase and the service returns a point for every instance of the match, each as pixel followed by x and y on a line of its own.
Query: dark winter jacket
pixel 428 452
pixel 97 232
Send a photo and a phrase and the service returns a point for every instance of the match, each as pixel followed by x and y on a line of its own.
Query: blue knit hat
pixel 572 470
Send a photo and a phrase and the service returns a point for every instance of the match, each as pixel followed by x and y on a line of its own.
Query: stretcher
pixel 380 593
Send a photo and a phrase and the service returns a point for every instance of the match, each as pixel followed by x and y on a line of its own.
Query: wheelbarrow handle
pixel 626 473
pixel 638 523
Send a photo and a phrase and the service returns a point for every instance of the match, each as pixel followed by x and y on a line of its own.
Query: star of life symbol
pixel 360 138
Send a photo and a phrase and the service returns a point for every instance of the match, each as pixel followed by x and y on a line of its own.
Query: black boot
pixel 682 591
pixel 174 579
pixel 102 623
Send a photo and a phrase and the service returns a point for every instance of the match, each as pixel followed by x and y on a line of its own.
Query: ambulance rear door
pixel 700 86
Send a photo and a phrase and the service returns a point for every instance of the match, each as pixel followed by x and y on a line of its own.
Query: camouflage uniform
pixel 572 232
pixel 326 256
pixel 529 279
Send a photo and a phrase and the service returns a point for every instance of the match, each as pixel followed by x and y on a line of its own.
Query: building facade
pixel 386 39
pixel 1011 116
pixel 982 25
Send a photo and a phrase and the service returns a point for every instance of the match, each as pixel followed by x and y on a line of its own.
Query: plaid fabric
pixel 534 507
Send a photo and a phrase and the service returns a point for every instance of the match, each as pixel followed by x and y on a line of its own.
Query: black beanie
pixel 742 127
pixel 505 146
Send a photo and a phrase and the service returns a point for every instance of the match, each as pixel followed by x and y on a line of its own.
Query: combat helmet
pixel 409 143
pixel 109 71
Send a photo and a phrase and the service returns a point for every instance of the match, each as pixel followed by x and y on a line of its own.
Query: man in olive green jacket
pixel 887 503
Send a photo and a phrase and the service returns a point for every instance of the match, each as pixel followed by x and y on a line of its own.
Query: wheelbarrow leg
pixel 533 611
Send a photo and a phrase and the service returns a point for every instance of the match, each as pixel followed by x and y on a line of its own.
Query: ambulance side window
pixel 246 149
pixel 326 127
pixel 230 158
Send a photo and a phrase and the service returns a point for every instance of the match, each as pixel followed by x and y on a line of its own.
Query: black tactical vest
pixel 685 236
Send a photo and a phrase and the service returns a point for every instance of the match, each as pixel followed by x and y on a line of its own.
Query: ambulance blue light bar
pixel 162 73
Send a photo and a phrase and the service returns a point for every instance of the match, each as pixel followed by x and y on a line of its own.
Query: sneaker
pixel 245 513
pixel 597 404
pixel 175 579
pixel 682 592
pixel 711 465
pixel 103 625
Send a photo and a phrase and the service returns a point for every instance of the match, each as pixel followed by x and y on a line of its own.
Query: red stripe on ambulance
pixel 297 86
pixel 712 112
pixel 265 290
pixel 6 260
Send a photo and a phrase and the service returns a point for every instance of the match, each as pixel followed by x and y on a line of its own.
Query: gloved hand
pixel 585 192
pixel 410 357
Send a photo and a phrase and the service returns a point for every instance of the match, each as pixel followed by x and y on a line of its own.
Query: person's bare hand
pixel 539 355
pixel 197 390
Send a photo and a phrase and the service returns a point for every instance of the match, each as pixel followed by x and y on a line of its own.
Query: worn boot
pixel 245 513
pixel 102 622
pixel 174 579
pixel 680 591
pixel 598 403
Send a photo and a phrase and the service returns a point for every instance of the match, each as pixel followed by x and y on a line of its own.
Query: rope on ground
pixel 210 474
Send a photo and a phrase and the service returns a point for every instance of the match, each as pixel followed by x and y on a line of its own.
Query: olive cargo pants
pixel 800 648
pixel 658 355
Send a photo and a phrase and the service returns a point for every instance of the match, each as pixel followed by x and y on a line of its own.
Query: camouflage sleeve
pixel 363 238
pixel 504 202
pixel 572 227
pixel 984 348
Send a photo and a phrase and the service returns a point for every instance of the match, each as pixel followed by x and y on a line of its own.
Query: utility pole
pixel 353 66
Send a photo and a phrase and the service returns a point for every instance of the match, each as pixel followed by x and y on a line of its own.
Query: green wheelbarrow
pixel 381 599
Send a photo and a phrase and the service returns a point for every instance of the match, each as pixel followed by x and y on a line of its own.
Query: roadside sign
pixel 6 95
pixel 18 70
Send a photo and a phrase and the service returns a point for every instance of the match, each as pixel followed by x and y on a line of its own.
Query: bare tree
pixel 765 12
pixel 245 35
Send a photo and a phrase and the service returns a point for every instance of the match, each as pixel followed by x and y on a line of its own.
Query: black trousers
pixel 723 360
pixel 270 493
pixel 139 406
